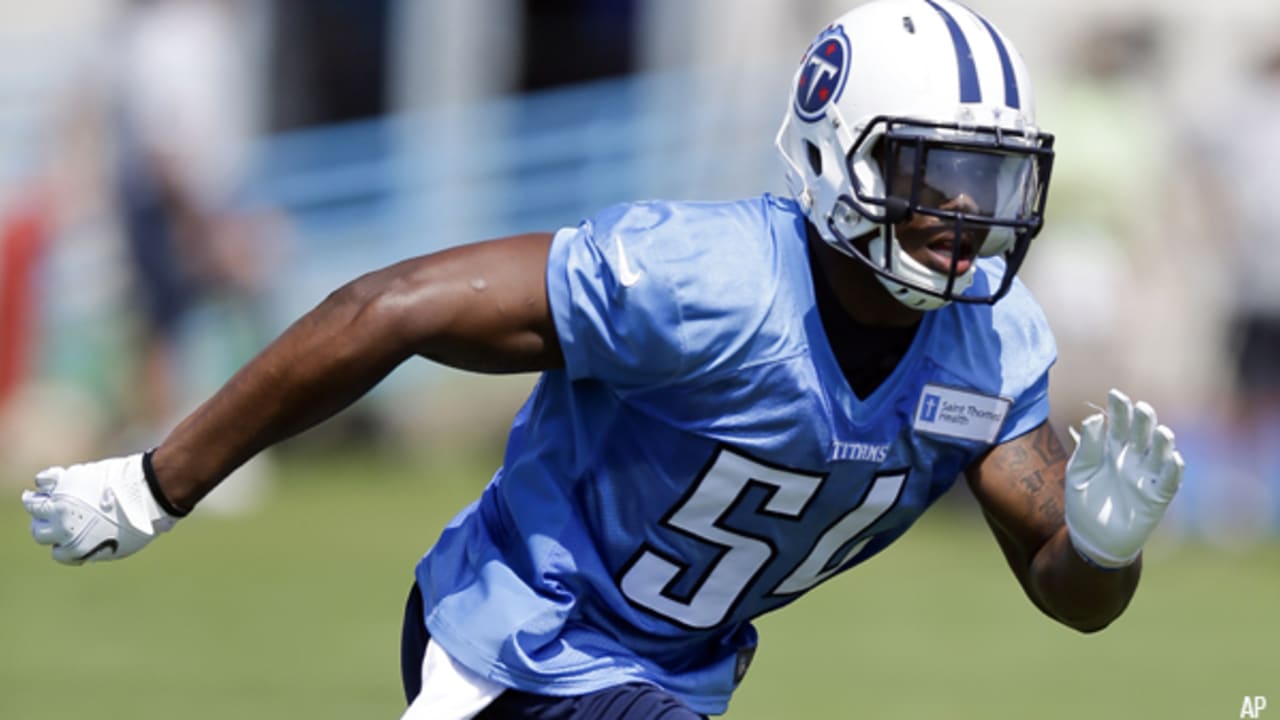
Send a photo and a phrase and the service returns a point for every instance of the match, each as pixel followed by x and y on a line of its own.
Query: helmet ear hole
pixel 815 158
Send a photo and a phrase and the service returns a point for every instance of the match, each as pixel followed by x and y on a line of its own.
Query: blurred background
pixel 180 179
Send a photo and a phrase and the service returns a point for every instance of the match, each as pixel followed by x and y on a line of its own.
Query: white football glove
pixel 97 511
pixel 1119 480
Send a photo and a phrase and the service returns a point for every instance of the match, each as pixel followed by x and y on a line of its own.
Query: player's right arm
pixel 479 307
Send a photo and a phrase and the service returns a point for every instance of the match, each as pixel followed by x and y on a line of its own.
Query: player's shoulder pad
pixel 696 251
pixel 675 279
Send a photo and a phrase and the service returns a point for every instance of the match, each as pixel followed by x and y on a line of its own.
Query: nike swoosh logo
pixel 627 275
pixel 104 545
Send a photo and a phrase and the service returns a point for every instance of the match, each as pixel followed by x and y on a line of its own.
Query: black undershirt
pixel 867 354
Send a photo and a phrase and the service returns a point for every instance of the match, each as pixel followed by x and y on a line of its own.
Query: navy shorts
pixel 633 701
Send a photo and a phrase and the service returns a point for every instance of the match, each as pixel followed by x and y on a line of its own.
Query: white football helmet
pixel 918 107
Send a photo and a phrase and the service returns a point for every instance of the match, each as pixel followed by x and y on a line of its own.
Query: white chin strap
pixel 913 271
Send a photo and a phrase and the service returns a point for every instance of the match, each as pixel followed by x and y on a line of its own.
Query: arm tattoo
pixel 1051 511
pixel 1033 482
pixel 1049 452
pixel 1019 485
pixel 1029 463
pixel 1046 444
pixel 1014 459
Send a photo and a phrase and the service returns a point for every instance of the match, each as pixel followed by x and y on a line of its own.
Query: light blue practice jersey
pixel 701 459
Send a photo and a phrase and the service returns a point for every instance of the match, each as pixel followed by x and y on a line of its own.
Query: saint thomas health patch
pixel 952 412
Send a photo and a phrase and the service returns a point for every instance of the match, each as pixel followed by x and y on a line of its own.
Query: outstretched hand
pixel 1124 472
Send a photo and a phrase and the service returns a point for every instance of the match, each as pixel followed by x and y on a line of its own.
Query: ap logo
pixel 822 75
pixel 1253 706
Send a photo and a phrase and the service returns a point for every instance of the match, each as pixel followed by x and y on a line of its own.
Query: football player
pixel 737 401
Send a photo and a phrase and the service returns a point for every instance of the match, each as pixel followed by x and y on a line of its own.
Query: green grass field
pixel 294 612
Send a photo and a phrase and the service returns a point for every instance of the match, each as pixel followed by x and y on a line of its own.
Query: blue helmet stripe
pixel 970 91
pixel 1011 98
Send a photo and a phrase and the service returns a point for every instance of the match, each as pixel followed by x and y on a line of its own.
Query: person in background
pixel 180 104
pixel 1237 172
pixel 179 108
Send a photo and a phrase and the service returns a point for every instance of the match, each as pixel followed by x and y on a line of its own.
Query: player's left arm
pixel 1072 528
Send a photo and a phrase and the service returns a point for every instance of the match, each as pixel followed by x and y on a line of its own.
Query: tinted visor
pixel 983 184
